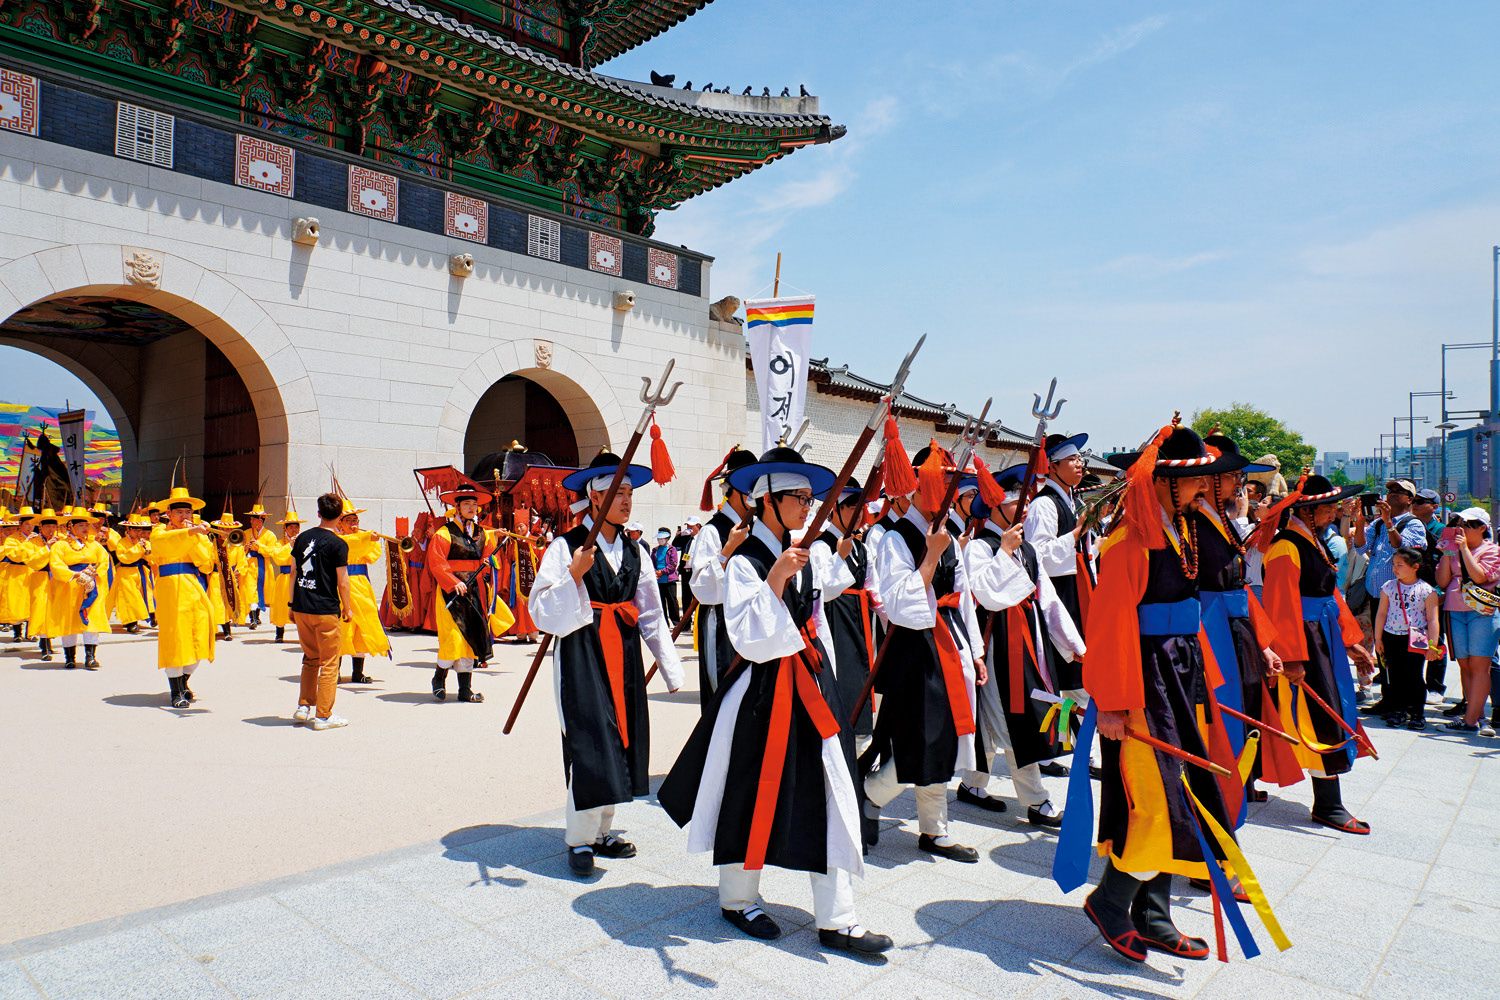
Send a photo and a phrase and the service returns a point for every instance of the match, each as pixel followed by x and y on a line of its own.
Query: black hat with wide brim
pixel 1317 491
pixel 783 461
pixel 1057 442
pixel 1227 448
pixel 604 464
pixel 1181 455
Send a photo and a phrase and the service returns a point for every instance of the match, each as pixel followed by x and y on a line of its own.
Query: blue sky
pixel 1165 205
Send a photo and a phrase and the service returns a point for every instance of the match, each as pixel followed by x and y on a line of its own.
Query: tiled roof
pixel 620 25
pixel 841 378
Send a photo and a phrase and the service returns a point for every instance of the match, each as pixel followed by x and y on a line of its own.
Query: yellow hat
pixel 71 514
pixel 180 495
pixel 7 519
pixel 226 520
pixel 99 508
pixel 137 519
pixel 290 518
pixel 47 516
pixel 257 511
pixel 153 507
pixel 349 508
pixel 25 514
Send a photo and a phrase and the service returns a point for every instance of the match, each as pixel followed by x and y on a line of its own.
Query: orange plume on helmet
pixel 932 476
pixel 1141 511
pixel 900 477
pixel 706 502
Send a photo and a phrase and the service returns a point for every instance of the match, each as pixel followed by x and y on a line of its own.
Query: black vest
pixel 858 559
pixel 1220 565
pixel 604 584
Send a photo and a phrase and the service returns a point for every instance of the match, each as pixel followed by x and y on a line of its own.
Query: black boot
pixel 440 684
pixel 46 650
pixel 90 659
pixel 1152 915
pixel 357 673
pixel 254 619
pixel 132 628
pixel 187 692
pixel 281 634
pixel 70 657
pixel 466 690
pixel 1109 907
pixel 1328 807
pixel 177 684
pixel 151 620
pixel 226 636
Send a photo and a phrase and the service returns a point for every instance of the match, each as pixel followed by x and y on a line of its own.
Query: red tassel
pixel 662 472
pixel 900 477
pixel 932 477
pixel 1140 509
pixel 706 502
pixel 1043 466
pixel 991 492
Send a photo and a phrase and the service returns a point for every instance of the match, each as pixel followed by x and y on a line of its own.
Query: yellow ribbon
pixel 1298 721
pixel 1242 869
pixel 1247 756
pixel 1064 732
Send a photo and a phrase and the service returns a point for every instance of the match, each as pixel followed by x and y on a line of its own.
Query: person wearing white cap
pixel 635 533
pixel 1468 573
pixel 1052 528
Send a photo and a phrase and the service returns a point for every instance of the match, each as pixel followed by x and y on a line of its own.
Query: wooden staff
pixel 1258 724
pixel 661 396
pixel 676 631
pixel 1359 737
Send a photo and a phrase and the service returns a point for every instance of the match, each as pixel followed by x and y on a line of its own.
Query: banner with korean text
pixel 780 334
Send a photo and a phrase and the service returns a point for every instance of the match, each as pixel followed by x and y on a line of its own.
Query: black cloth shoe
pixel 988 802
pixel 1036 817
pixel 1456 711
pixel 70 657
pixel 1151 912
pixel 1053 769
pixel 1109 906
pixel 280 634
pixel 466 690
pixel 1328 808
pixel 90 657
pixel 440 687
pixel 46 650
pixel 755 922
pixel 1395 719
pixel 1416 723
pixel 227 634
pixel 581 860
pixel 953 852
pixel 179 700
pixel 357 673
pixel 610 846
pixel 132 628
pixel 868 943
pixel 187 692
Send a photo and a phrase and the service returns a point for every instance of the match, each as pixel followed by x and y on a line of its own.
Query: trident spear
pixel 1044 413
pixel 660 396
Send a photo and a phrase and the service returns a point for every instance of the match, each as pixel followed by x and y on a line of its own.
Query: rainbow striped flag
pixel 18 421
pixel 779 312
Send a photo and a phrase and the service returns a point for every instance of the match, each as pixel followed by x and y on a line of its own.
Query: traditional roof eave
pixel 610 27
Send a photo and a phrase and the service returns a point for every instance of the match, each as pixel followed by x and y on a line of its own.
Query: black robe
pixel 469 610
pixel 710 624
pixel 600 769
pixel 1221 567
pixel 799 831
pixel 1024 720
pixel 1069 676
pixel 848 622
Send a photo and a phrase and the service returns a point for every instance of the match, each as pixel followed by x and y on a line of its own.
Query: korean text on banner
pixel 73 426
pixel 780 334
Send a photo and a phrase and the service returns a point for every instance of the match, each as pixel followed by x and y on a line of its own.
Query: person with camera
pixel 1379 530
pixel 1408 616
pixel 1468 571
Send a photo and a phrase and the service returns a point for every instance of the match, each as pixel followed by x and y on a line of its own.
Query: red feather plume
pixel 900 477
pixel 662 471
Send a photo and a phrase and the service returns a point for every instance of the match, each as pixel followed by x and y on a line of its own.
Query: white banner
pixel 780 334
pixel 26 472
pixel 72 425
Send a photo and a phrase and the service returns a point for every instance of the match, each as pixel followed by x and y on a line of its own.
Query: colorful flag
pixel 780 333
pixel 20 423
pixel 74 431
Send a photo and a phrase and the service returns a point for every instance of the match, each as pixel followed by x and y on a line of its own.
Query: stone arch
pixel 576 384
pixel 226 316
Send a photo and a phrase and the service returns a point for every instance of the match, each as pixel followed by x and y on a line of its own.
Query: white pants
pixel 932 800
pixel 463 666
pixel 84 638
pixel 833 895
pixel 1028 781
pixel 585 826
pixel 186 671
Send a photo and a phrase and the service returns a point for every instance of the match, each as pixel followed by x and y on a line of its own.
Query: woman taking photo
pixel 1475 562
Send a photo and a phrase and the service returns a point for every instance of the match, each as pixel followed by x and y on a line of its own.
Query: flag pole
pixel 776 282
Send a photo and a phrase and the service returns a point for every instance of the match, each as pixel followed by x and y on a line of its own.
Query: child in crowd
pixel 1408 614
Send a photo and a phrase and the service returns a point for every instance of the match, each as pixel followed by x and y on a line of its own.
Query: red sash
pixel 865 620
pixel 951 661
pixel 610 616
pixel 1085 590
pixel 793 674
pixel 1018 638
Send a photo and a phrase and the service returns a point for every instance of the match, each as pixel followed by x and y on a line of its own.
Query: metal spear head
pixel 897 385
pixel 660 396
pixel 1047 411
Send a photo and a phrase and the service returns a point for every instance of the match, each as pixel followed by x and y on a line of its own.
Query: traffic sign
pixel 1450 497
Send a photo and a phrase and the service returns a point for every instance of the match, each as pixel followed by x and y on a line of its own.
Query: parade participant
pixel 77 594
pixel 1052 528
pixel 1022 620
pixel 132 594
pixel 258 569
pixel 520 548
pixel 764 779
pixel 851 601
pixel 361 634
pixel 456 559
pixel 321 602
pixel 153 515
pixel 927 682
pixel 600 602
pixel 1316 637
pixel 15 604
pixel 710 551
pixel 184 555
pixel 223 580
pixel 36 555
pixel 419 617
pixel 279 555
pixel 1148 676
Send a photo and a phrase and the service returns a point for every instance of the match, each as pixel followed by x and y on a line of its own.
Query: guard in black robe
pixel 711 547
pixel 853 612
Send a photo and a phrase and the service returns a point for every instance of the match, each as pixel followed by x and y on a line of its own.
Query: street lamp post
pixel 1411 443
pixel 1385 467
pixel 1411 398
pixel 1448 414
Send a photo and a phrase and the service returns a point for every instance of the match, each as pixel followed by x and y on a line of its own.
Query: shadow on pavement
pixel 272 721
pixel 157 700
pixel 415 698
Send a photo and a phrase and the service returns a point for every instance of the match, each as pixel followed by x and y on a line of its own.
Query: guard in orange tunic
pixel 456 559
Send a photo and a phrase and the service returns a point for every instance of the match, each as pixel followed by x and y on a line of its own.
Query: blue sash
pixel 1183 617
pixel 284 569
pixel 90 598
pixel 360 570
pixel 1075 841
pixel 1325 611
pixel 183 569
pixel 260 579
pixel 1219 606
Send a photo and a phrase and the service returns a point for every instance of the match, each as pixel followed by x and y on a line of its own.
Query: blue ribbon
pixel 1183 617
pixel 1075 841
pixel 1325 611
pixel 284 569
pixel 88 601
pixel 260 579
pixel 1222 889
pixel 359 570
pixel 1219 606
pixel 183 569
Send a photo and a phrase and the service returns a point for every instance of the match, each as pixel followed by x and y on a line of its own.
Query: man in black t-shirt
pixel 320 601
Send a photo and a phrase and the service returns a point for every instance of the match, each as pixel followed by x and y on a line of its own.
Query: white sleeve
pixel 872 583
pixel 997 580
pixel 759 625
pixel 908 602
pixel 707 583
pixel 653 626
pixel 1057 556
pixel 558 604
pixel 830 573
pixel 966 606
pixel 1060 627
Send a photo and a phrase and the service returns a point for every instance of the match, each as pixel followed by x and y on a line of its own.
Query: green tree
pixel 1339 477
pixel 1258 433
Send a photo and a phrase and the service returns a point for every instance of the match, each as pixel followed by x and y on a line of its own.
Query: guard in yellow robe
pixel 258 567
pixel 36 555
pixel 15 606
pixel 220 589
pixel 363 635
pixel 77 596
pixel 279 558
pixel 184 556
pixel 132 594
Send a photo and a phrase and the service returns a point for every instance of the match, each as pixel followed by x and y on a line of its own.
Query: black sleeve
pixel 339 553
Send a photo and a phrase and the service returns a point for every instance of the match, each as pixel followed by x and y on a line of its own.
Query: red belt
pixel 610 616
pixel 1018 638
pixel 793 674
pixel 951 661
pixel 865 619
pixel 1085 590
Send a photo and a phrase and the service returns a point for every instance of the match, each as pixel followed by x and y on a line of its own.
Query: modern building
pixel 1333 461
pixel 280 238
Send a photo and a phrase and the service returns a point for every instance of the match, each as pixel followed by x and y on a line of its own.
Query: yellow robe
pixel 279 589
pixel 15 598
pixel 364 635
pixel 184 613
pixel 37 555
pixel 133 595
pixel 259 569
pixel 66 596
pixel 243 599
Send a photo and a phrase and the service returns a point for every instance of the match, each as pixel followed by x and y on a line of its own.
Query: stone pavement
pixel 492 911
